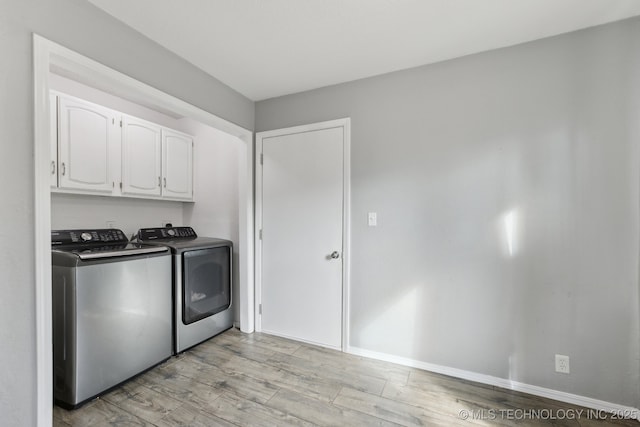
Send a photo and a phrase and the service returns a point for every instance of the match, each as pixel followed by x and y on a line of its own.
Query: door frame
pixel 344 123
pixel 48 55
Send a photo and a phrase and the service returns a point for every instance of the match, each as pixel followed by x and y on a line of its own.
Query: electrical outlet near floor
pixel 562 364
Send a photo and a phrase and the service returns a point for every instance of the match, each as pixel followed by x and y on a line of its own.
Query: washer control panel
pixel 148 234
pixel 77 237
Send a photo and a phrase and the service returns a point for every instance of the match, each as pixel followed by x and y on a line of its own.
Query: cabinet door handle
pixel 165 182
pixel 64 169
pixel 159 185
pixel 53 167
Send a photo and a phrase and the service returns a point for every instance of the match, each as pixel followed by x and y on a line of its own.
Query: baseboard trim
pixel 289 337
pixel 575 399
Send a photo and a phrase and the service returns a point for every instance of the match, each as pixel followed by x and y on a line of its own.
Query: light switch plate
pixel 372 219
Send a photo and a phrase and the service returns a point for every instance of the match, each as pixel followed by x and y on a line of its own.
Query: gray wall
pixel 506 187
pixel 82 27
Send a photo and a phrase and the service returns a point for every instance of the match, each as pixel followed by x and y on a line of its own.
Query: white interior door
pixel 302 217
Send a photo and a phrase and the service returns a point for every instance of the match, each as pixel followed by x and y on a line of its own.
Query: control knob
pixel 85 236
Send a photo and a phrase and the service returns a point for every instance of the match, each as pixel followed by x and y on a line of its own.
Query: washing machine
pixel 111 311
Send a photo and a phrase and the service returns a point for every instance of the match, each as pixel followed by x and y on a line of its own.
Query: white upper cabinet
pixel 53 140
pixel 86 137
pixel 177 165
pixel 95 150
pixel 141 157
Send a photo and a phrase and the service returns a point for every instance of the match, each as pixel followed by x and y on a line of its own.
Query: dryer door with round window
pixel 206 283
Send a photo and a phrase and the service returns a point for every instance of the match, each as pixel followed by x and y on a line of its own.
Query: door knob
pixel 335 255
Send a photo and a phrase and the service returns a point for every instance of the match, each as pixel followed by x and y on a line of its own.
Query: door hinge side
pixel 260 234
pixel 120 123
pixel 260 309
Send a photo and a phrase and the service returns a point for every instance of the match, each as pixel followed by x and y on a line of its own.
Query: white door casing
pixel 302 200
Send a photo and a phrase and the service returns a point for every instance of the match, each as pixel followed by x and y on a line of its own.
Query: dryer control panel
pixel 150 234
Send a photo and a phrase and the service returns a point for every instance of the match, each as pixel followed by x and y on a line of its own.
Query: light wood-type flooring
pixel 238 379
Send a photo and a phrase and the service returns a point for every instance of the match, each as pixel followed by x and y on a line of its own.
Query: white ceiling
pixel 268 48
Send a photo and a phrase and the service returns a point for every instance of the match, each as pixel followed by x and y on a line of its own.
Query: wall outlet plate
pixel 562 364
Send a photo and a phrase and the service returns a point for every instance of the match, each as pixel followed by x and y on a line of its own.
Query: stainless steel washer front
pixel 111 316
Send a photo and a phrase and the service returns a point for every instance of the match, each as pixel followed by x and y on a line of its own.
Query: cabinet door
pixel 53 140
pixel 86 132
pixel 141 157
pixel 177 165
